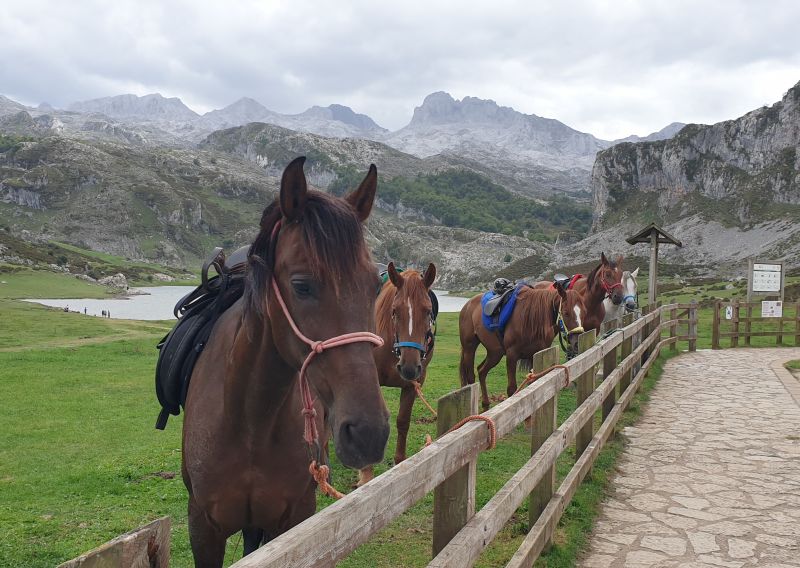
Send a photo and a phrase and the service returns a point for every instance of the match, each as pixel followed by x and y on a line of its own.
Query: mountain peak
pixel 153 106
pixel 343 114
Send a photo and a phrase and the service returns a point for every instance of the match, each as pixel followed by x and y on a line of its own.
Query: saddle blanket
pixel 498 320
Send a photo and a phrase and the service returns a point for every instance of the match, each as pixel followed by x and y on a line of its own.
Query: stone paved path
pixel 711 476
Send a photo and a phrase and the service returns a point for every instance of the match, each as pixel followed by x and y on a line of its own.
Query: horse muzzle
pixel 360 443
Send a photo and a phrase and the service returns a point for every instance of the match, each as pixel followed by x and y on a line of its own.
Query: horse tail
pixel 525 365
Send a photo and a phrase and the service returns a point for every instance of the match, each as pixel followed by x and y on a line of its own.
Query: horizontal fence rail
pixel 735 320
pixel 621 359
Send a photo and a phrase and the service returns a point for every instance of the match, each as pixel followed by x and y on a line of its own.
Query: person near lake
pixel 84 310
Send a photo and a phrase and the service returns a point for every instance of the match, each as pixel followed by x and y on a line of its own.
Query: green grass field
pixel 81 463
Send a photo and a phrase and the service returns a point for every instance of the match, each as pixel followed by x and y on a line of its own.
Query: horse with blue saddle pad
pixel 529 325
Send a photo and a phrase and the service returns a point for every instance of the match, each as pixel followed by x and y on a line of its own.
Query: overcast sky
pixel 608 68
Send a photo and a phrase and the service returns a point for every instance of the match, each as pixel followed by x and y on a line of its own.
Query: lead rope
pixel 310 432
pixel 533 376
pixel 418 390
pixel 475 417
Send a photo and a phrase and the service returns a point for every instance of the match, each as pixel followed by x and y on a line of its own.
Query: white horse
pixel 630 295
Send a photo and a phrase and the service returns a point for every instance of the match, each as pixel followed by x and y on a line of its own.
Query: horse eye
pixel 302 288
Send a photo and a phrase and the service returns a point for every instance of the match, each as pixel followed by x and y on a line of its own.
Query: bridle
pixel 563 332
pixel 310 433
pixel 423 349
pixel 609 288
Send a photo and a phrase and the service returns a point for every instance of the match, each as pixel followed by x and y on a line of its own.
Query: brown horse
pixel 538 315
pixel 244 461
pixel 403 313
pixel 604 281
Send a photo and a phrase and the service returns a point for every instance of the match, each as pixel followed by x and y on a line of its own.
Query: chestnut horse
pixel 403 313
pixel 538 315
pixel 604 281
pixel 245 463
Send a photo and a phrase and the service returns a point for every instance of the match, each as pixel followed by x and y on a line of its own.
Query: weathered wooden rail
pixel 460 533
pixel 740 324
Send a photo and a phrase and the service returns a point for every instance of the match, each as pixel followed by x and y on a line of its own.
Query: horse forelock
pixel 333 239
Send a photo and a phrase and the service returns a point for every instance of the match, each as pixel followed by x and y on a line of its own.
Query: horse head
pixel 571 311
pixel 314 280
pixel 608 277
pixel 630 289
pixel 412 318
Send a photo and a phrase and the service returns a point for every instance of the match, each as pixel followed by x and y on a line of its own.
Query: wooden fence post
pixel 625 351
pixel 673 329
pixel 609 364
pixel 585 387
pixel 145 546
pixel 693 326
pixel 735 338
pixel 715 326
pixel 544 423
pixel 797 324
pixel 779 338
pixel 454 499
pixel 747 324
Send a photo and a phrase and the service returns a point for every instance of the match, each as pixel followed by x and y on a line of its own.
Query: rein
pixel 563 332
pixel 310 433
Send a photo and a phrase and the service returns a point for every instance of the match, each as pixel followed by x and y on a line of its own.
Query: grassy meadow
pixel 81 463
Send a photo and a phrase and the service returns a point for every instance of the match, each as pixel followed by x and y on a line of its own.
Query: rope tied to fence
pixel 475 417
pixel 418 390
pixel 533 376
pixel 320 474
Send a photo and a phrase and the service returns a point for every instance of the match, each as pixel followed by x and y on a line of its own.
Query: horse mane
pixel 383 306
pixel 334 241
pixel 535 306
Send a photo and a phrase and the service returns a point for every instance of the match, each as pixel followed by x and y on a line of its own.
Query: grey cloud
pixel 609 68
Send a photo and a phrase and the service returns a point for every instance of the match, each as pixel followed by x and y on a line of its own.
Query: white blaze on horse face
pixel 410 318
pixel 577 311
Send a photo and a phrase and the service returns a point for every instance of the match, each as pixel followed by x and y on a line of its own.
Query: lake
pixel 157 302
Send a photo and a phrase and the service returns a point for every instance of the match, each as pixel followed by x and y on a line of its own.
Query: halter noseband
pixel 310 433
pixel 423 349
pixel 563 332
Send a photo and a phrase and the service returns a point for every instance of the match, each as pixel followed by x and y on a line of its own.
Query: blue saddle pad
pixel 498 321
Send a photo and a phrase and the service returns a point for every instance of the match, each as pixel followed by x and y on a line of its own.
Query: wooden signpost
pixel 653 235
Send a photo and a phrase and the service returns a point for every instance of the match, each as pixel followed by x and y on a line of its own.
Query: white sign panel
pixel 766 278
pixel 771 309
pixel 728 312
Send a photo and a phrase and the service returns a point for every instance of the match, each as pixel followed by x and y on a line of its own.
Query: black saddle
pixel 502 290
pixel 562 279
pixel 197 312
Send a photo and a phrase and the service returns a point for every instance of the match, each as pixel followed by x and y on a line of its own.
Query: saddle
pixel 566 282
pixel 497 304
pixel 197 312
pixel 501 293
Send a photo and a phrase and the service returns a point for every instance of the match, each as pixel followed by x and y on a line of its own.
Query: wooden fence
pixel 735 320
pixel 448 465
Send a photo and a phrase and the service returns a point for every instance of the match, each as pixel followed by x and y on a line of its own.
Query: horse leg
pixel 252 539
pixel 467 366
pixel 491 361
pixel 511 371
pixel 208 543
pixel 407 396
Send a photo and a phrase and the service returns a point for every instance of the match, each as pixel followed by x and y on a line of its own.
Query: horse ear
pixel 394 276
pixel 362 198
pixel 603 259
pixel 294 190
pixel 561 292
pixel 429 276
pixel 635 273
pixel 619 261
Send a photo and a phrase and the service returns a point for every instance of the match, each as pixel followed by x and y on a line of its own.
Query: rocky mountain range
pixel 147 178
pixel 730 190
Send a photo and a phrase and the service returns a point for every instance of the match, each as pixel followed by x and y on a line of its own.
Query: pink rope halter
pixel 310 434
